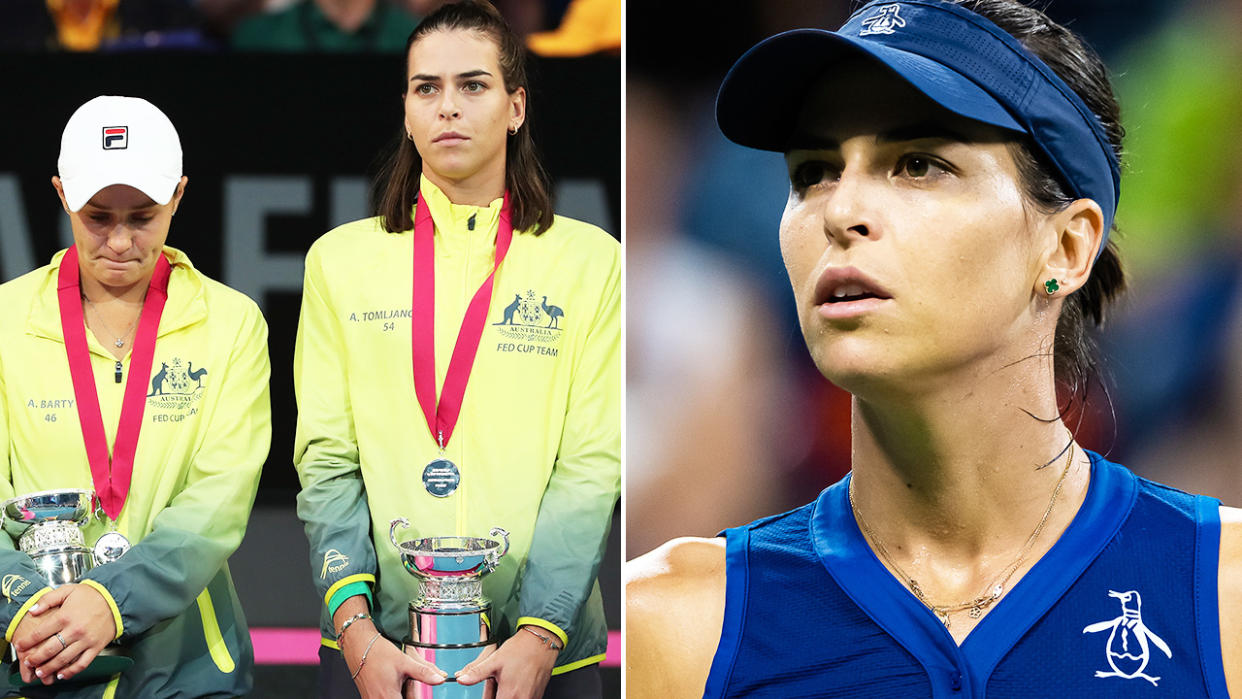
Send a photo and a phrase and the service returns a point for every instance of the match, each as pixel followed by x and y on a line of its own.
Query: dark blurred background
pixel 285 111
pixel 711 320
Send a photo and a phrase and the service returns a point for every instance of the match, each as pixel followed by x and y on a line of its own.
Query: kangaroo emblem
pixel 157 381
pixel 511 309
pixel 197 375
pixel 1128 630
pixel 554 312
pixel 884 21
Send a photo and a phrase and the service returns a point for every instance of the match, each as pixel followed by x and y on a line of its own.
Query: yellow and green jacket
pixel 205 435
pixel 537 442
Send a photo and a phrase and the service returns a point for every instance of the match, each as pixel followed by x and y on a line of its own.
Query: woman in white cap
pixel 954 173
pixel 127 372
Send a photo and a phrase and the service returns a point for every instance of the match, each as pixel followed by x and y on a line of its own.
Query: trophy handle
pixel 392 530
pixel 494 558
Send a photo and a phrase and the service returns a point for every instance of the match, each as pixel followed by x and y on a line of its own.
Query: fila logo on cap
pixel 884 21
pixel 115 137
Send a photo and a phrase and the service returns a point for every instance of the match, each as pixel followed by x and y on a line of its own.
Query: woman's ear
pixel 1078 233
pixel 180 192
pixel 60 192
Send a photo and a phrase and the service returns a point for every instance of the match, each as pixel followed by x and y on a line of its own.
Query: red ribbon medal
pixel 111 476
pixel 441 477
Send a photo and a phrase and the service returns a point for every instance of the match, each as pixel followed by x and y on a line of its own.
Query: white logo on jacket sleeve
pixel 13 585
pixel 884 21
pixel 1128 650
pixel 333 562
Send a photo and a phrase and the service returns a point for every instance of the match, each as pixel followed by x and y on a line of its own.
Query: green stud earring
pixel 1051 286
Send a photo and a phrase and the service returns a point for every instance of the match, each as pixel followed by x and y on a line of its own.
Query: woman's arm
pixel 674 613
pixel 332 503
pixel 1231 596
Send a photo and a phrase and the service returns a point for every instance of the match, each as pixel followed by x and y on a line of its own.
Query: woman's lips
pixel 840 310
pixel 109 263
pixel 846 292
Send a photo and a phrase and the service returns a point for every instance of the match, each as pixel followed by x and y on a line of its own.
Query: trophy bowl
pixel 449 624
pixel 21 513
pixel 47 526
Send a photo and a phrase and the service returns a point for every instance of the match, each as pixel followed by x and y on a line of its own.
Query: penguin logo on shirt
pixel 1129 640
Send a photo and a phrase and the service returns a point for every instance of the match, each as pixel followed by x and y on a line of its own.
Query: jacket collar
pixel 186 303
pixel 452 219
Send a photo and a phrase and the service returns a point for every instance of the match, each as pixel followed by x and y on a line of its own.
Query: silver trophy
pixel 449 617
pixel 48 527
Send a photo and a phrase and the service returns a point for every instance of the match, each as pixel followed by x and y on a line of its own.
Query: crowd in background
pixel 551 27
pixel 727 417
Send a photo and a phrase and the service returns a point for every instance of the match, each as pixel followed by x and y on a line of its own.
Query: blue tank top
pixel 1123 605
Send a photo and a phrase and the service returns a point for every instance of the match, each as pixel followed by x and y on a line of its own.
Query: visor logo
pixel 115 137
pixel 886 20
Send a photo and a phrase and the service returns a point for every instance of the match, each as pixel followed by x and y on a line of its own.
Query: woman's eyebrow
pixel 427 77
pixel 922 131
pixel 909 132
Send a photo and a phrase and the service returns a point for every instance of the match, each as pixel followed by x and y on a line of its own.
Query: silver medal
pixel 441 478
pixel 111 546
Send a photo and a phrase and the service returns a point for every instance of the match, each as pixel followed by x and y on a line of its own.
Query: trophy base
pixel 450 640
pixel 449 660
pixel 105 665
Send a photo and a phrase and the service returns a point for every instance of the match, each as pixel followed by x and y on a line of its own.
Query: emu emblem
pixel 1128 651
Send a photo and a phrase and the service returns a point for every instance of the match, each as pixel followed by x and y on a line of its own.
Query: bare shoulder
pixel 1231 596
pixel 674 610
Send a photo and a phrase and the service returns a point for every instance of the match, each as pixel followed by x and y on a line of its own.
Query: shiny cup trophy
pixel 448 618
pixel 48 527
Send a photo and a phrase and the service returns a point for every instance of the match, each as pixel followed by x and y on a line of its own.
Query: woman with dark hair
pixel 954 171
pixel 510 414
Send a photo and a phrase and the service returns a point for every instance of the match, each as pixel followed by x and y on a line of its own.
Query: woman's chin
pixel 114 278
pixel 863 374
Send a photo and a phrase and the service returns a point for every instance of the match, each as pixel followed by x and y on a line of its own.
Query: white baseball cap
pixel 119 140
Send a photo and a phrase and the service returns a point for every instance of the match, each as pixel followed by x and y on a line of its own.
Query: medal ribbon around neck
pixel 442 415
pixel 111 476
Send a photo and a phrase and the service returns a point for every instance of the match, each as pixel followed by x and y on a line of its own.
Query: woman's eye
pixel 917 166
pixel 473 86
pixel 425 89
pixel 810 173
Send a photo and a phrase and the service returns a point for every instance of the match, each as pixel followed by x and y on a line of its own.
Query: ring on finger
pixel 60 638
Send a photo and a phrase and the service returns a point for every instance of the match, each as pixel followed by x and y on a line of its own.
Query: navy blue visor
pixel 957 58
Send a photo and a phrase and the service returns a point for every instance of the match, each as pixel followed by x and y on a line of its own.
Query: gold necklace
pixel 982 602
